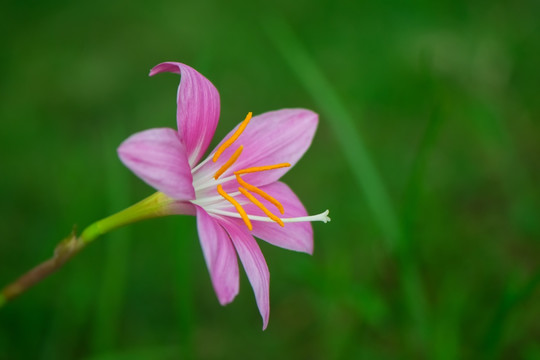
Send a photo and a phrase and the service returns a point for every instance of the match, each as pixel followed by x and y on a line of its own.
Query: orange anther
pixel 260 206
pixel 229 162
pixel 233 138
pixel 261 193
pixel 238 207
pixel 261 168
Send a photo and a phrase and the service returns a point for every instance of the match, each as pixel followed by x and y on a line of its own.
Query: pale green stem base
pixel 156 205
pixel 151 207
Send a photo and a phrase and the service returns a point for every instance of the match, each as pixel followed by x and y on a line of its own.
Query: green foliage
pixel 426 155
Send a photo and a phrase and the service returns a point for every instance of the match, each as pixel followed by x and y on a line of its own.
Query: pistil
pixel 319 217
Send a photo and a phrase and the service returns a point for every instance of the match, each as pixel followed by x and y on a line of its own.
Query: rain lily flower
pixel 234 192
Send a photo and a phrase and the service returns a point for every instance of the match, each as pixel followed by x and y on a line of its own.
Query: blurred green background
pixel 427 155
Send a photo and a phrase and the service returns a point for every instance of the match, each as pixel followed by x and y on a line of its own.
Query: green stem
pixel 151 207
pixel 155 205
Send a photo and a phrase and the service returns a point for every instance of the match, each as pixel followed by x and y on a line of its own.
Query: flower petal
pixel 281 136
pixel 220 256
pixel 293 236
pixel 254 264
pixel 198 106
pixel 158 157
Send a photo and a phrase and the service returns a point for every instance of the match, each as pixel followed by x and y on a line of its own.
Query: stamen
pixel 260 206
pixel 212 182
pixel 233 138
pixel 261 168
pixel 229 162
pixel 238 207
pixel 261 193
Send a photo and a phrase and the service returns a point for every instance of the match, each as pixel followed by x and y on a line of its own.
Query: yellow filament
pixel 261 193
pixel 260 206
pixel 233 138
pixel 238 207
pixel 261 168
pixel 229 162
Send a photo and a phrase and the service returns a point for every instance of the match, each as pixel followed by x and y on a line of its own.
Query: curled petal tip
pixel 169 66
pixel 197 111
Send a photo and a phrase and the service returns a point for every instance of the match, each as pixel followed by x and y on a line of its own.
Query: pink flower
pixel 234 192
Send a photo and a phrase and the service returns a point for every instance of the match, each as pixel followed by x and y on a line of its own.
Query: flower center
pixel 245 188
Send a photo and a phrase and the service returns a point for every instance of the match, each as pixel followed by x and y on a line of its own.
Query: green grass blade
pixel 510 302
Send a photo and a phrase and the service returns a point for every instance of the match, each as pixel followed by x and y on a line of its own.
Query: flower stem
pixel 155 205
pixel 151 207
